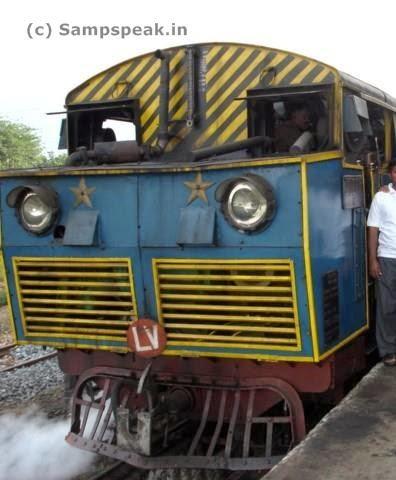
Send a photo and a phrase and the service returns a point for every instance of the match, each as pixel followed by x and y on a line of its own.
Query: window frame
pixel 288 91
pixel 126 104
pixel 389 115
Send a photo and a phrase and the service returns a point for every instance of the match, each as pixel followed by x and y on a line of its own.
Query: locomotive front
pixel 174 269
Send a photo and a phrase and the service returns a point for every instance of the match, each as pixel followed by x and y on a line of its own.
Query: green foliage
pixel 54 159
pixel 20 147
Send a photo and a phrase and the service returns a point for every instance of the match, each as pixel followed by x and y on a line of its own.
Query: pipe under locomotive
pixel 199 282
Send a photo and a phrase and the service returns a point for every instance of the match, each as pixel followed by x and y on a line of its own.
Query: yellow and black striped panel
pixel 75 298
pixel 139 78
pixel 232 70
pixel 227 72
pixel 239 305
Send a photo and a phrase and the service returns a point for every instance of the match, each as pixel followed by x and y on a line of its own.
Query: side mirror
pixel 356 115
pixel 63 135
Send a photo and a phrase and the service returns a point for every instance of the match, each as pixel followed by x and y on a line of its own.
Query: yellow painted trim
pixel 73 259
pixel 8 297
pixel 158 263
pixel 82 321
pixel 253 356
pixel 221 261
pixel 343 343
pixel 19 295
pixel 278 266
pixel 234 288
pixel 222 341
pixel 322 156
pixel 46 283
pixel 92 293
pixel 155 269
pixel 32 263
pixel 366 259
pixel 228 308
pixel 73 336
pixel 336 114
pixel 61 261
pixel 182 353
pixel 307 261
pixel 231 346
pixel 283 278
pixel 209 326
pixel 187 167
pixel 295 305
pixel 388 117
pixel 352 166
pixel 372 180
pixel 233 318
pixel 187 296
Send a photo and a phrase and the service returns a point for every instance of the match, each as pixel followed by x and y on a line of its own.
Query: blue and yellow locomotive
pixel 198 276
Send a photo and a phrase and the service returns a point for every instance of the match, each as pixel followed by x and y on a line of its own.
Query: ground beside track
pixel 356 440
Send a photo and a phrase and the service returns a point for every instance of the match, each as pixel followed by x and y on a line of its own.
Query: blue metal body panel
pixel 197 226
pixel 139 219
pixel 337 242
pixel 116 198
pixel 162 196
pixel 295 254
pixel 84 252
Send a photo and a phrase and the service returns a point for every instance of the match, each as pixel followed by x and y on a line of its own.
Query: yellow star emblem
pixel 82 193
pixel 198 187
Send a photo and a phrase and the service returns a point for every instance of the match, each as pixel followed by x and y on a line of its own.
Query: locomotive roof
pixel 112 83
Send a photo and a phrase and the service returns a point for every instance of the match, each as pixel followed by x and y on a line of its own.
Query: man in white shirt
pixel 382 265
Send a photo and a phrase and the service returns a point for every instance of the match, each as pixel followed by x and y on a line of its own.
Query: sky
pixel 357 37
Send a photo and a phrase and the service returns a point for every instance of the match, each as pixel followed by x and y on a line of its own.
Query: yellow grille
pixel 75 298
pixel 245 304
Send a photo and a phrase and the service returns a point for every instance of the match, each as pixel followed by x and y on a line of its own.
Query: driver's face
pixel 301 119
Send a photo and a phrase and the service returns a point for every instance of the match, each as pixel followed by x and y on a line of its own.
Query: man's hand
pixel 375 269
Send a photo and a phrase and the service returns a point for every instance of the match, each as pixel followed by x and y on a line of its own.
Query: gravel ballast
pixel 24 384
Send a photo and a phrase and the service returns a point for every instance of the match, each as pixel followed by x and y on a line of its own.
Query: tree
pixel 21 147
pixel 53 159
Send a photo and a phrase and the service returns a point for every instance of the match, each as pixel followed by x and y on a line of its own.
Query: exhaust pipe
pixel 163 133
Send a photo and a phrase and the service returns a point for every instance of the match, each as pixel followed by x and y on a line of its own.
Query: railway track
pixel 123 471
pixel 29 362
pixel 4 349
pixel 117 471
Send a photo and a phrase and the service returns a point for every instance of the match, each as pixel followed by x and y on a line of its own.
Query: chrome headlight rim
pixel 19 197
pixel 258 188
pixel 44 220
pixel 258 206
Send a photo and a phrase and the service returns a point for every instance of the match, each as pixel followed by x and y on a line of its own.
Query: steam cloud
pixel 34 448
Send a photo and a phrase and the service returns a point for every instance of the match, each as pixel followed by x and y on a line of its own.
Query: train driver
pixel 289 135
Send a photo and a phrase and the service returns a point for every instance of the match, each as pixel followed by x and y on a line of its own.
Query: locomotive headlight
pixel 246 205
pixel 248 202
pixel 36 207
pixel 36 216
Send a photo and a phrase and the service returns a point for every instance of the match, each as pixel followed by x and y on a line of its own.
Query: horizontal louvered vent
pixel 75 298
pixel 249 304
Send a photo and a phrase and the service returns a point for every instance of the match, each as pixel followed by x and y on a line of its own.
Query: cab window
pixel 364 130
pixel 294 122
pixel 92 124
